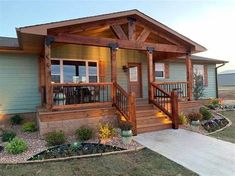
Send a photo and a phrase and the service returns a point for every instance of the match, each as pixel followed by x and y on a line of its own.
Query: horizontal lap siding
pixel 178 73
pixel 96 53
pixel 18 83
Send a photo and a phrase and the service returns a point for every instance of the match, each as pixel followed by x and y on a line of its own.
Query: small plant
pixel 16 146
pixel 16 119
pixel 183 119
pixel 29 127
pixel 106 131
pixel 194 116
pixel 215 102
pixel 84 133
pixel 125 126
pixel 55 138
pixel 207 115
pixel 8 136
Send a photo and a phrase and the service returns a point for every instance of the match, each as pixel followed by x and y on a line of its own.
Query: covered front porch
pixel 113 62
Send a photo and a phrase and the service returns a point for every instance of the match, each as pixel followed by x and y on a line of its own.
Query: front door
pixel 135 78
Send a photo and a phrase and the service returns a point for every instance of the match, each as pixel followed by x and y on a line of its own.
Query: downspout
pixel 216 79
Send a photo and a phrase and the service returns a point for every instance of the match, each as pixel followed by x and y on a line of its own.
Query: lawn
pixel 229 133
pixel 142 163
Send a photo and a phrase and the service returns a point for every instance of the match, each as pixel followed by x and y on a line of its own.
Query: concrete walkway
pixel 204 155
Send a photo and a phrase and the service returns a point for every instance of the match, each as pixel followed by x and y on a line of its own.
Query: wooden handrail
pixel 126 104
pixel 120 88
pixel 180 87
pixel 167 103
pixel 162 90
pixel 179 82
pixel 73 95
pixel 82 84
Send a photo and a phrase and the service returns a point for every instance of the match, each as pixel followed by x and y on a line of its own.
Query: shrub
pixel 194 116
pixel 106 131
pixel 205 113
pixel 198 88
pixel 29 127
pixel 125 126
pixel 16 146
pixel 8 136
pixel 55 138
pixel 183 119
pixel 215 102
pixel 16 119
pixel 84 133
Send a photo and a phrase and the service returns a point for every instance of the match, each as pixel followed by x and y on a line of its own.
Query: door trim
pixel 139 75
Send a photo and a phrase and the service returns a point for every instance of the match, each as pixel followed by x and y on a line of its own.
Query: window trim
pixel 82 60
pixel 164 71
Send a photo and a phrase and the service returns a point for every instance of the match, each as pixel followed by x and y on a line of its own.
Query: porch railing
pixel 166 102
pixel 81 93
pixel 125 104
pixel 179 87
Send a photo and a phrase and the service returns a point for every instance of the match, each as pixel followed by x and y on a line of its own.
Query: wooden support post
pixel 48 86
pixel 113 50
pixel 174 110
pixel 189 73
pixel 132 111
pixel 150 73
pixel 131 29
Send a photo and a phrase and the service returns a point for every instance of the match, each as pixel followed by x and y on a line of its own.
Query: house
pixel 82 71
pixel 226 78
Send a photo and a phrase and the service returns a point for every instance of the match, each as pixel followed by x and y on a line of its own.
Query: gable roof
pixel 41 29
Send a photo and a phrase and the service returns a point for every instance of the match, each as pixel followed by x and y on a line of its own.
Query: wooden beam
pixel 150 73
pixel 189 72
pixel 124 44
pixel 131 29
pixel 143 35
pixel 113 51
pixel 88 26
pixel 48 87
pixel 119 32
pixel 160 34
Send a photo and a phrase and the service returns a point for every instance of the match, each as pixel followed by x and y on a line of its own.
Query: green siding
pixel 177 70
pixel 18 83
pixel 96 53
pixel 178 73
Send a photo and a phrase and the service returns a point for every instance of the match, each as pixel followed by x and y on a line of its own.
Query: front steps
pixel 149 118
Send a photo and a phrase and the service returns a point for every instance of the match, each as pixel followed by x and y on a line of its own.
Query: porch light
pixel 114 46
pixel 124 68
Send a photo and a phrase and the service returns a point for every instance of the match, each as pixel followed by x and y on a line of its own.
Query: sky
pixel 208 22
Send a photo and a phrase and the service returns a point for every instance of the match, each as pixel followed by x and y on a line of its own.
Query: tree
pixel 198 89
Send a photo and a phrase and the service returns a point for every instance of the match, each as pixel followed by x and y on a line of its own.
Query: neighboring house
pixel 79 72
pixel 226 78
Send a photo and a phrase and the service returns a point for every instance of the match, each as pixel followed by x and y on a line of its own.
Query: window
pixel 55 71
pixel 198 70
pixel 74 71
pixel 133 73
pixel 159 70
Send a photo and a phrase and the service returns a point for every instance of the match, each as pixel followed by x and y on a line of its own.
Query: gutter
pixel 216 79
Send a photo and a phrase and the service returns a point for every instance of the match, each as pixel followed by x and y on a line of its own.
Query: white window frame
pixel 163 70
pixel 82 60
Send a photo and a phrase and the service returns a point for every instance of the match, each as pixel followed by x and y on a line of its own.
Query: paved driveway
pixel 202 154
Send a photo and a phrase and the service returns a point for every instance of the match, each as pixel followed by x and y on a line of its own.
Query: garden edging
pixel 74 157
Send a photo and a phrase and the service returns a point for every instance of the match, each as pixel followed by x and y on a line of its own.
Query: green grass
pixel 141 163
pixel 228 134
